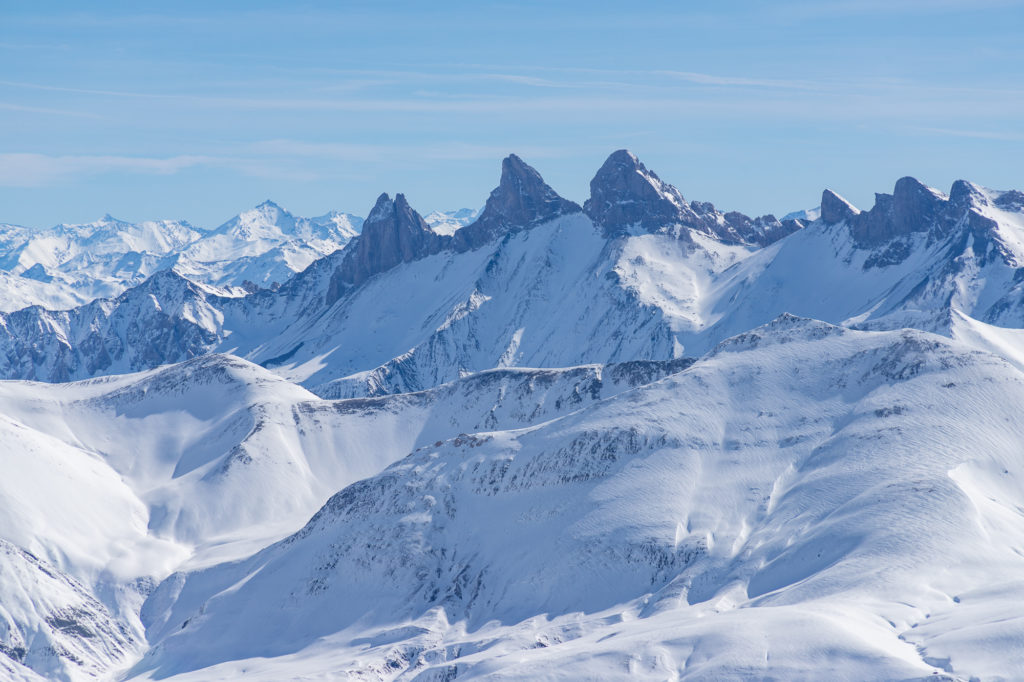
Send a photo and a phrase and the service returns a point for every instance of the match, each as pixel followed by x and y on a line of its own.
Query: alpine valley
pixel 639 437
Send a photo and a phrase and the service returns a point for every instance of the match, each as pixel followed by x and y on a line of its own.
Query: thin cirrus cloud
pixel 280 158
pixel 37 170
pixel 396 153
pixel 997 135
pixel 650 90
pixel 8 106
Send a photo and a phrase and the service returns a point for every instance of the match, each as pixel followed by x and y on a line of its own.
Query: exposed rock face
pixel 915 209
pixel 760 231
pixel 964 194
pixel 625 196
pixel 393 233
pixel 912 207
pixel 521 199
pixel 835 209
pixel 165 319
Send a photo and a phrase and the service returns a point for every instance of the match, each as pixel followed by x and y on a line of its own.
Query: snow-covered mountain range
pixel 637 437
pixel 70 265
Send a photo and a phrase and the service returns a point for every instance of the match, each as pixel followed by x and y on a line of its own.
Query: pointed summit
pixel 964 194
pixel 835 209
pixel 624 194
pixel 521 200
pixel 393 233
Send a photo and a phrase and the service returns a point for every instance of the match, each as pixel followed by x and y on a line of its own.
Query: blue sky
pixel 198 110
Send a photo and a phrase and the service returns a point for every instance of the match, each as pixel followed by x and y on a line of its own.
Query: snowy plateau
pixel 634 438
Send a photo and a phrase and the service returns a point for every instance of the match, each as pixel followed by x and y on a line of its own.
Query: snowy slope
pixel 70 265
pixel 547 297
pixel 264 245
pixel 112 483
pixel 447 222
pixel 805 502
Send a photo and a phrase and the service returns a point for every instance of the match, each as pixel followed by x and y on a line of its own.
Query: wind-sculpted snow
pixel 808 501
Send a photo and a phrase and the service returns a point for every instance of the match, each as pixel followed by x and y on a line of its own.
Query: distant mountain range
pixel 70 265
pixel 634 438
pixel 637 273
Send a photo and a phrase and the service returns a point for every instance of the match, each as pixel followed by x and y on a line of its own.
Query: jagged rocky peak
pixel 964 194
pixel 625 194
pixel 912 207
pixel 521 200
pixel 392 234
pixel 836 209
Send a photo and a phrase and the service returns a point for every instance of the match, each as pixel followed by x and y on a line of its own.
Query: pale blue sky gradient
pixel 161 110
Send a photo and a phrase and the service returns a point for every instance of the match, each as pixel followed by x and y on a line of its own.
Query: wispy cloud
pixel 8 106
pixel 816 9
pixel 976 134
pixel 276 159
pixel 710 79
pixel 446 151
pixel 35 170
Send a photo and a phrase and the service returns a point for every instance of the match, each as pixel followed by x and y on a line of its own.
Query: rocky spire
pixel 625 194
pixel 912 207
pixel 521 200
pixel 393 233
pixel 835 209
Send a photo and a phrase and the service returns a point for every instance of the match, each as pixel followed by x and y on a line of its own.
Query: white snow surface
pixel 558 456
pixel 69 265
pixel 111 484
pixel 806 502
pixel 447 222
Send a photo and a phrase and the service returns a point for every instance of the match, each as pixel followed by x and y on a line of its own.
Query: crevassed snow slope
pixel 805 502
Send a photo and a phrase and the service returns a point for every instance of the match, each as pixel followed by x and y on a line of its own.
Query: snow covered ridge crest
pixel 69 265
pixel 914 209
pixel 636 274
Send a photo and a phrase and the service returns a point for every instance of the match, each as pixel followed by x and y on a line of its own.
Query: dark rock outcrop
pixel 835 209
pixel 392 234
pixel 521 200
pixel 626 196
pixel 760 231
pixel 915 209
pixel 912 207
